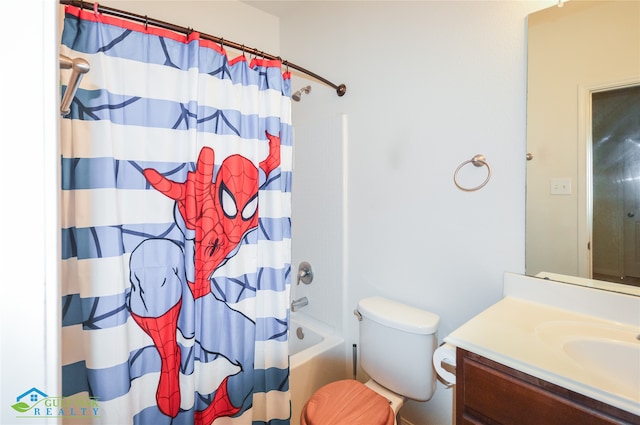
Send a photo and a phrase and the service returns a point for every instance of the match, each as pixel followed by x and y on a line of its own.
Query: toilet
pixel 397 343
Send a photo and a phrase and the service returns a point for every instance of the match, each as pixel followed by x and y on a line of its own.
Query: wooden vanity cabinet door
pixel 489 393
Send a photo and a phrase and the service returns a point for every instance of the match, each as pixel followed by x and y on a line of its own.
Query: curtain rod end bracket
pixel 341 90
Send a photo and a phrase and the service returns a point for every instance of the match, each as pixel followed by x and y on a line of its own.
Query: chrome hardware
pixel 630 214
pixel 299 303
pixel 358 315
pixel 355 360
pixel 478 160
pixel 300 333
pixel 78 67
pixel 305 274
pixel 451 368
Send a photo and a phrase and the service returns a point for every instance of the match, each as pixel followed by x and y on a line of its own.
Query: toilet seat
pixel 347 402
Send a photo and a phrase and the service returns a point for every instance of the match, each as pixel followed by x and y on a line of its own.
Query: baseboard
pixel 403 421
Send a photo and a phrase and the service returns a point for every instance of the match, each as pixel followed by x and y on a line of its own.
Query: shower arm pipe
pixel 340 89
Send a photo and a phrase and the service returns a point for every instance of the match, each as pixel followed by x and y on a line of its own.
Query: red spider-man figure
pixel 218 213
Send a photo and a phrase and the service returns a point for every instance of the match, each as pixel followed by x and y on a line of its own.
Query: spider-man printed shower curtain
pixel 175 209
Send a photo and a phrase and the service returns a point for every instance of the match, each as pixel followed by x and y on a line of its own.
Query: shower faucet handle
pixel 305 273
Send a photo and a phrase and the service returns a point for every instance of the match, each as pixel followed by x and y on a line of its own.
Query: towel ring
pixel 478 160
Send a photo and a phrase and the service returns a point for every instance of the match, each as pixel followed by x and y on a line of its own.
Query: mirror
pixel 574 51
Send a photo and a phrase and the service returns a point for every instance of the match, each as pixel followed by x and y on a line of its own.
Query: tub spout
pixel 300 302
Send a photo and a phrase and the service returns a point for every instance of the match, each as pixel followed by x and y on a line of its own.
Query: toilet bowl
pixel 397 343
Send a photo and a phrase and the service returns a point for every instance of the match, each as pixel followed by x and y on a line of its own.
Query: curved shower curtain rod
pixel 340 89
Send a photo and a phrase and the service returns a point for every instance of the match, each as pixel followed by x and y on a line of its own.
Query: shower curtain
pixel 175 210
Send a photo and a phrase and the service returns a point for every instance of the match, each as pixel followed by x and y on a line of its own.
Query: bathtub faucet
pixel 300 302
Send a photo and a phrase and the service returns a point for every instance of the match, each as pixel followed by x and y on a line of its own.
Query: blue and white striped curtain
pixel 175 210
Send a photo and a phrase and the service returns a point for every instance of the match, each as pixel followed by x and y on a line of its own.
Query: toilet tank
pixel 397 343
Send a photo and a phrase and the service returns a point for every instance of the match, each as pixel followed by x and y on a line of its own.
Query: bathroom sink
pixel 609 359
pixel 609 353
pixel 584 349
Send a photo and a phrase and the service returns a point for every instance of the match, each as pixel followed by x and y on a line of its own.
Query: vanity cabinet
pixel 490 393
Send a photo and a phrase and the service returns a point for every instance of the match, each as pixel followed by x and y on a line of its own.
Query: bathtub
pixel 317 357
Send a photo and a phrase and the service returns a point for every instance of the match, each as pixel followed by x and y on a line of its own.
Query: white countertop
pixel 527 335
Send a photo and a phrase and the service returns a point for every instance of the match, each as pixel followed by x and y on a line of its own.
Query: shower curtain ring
pixel 146 23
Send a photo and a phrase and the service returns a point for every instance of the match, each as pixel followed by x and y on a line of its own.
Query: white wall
pixel 317 209
pixel 29 303
pixel 429 85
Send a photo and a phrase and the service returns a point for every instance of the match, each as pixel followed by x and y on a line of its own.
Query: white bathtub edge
pixel 331 340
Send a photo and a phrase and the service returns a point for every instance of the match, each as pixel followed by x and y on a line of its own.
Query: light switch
pixel 561 186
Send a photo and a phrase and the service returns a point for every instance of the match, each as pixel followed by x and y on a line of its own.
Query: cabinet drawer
pixel 491 393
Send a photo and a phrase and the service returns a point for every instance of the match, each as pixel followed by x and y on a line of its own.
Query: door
pixel 631 191
pixel 616 183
